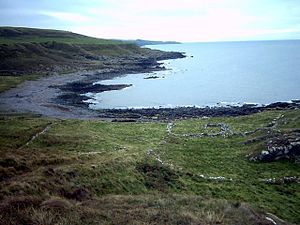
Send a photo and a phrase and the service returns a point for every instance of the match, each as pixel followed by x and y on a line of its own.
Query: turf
pixel 143 159
pixel 15 35
pixel 28 53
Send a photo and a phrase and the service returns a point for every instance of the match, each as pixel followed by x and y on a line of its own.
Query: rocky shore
pixel 61 95
pixel 194 112
pixel 191 112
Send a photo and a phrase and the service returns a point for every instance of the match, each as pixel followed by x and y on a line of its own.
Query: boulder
pixel 284 146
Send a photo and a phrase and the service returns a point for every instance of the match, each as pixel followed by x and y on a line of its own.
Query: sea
pixel 212 74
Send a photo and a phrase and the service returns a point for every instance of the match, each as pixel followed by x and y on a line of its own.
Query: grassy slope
pixel 112 161
pixel 14 35
pixel 27 53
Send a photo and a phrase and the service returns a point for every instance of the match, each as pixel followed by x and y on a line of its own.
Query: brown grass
pixel 139 209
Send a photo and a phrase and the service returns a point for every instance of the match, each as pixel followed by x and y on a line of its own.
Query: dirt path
pixel 38 97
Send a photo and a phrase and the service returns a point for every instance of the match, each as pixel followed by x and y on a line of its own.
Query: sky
pixel 178 20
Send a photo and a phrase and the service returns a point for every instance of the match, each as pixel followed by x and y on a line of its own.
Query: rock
pixel 283 146
pixel 124 120
pixel 281 105
pixel 151 77
pixel 284 180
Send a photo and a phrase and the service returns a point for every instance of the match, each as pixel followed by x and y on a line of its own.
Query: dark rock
pixel 281 105
pixel 151 77
pixel 85 87
pixel 170 55
pixel 72 99
pixel 124 120
pixel 285 146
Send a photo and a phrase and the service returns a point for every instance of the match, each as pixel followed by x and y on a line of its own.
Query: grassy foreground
pixel 94 172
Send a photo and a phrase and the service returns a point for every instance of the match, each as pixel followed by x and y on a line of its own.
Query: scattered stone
pixel 37 135
pixel 284 180
pixel 170 128
pixel 157 156
pixel 282 146
pixel 225 131
pixel 271 220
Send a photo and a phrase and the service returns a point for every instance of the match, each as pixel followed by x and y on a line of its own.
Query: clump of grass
pixel 8 82
pixel 138 209
pixel 158 176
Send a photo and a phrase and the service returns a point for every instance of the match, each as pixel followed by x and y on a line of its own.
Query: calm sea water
pixel 228 73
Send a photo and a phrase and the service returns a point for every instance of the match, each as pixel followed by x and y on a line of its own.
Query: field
pixel 84 171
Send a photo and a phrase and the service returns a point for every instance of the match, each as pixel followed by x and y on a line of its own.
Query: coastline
pixel 63 96
pixel 60 96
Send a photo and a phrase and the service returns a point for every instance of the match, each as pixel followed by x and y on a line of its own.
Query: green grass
pixel 75 40
pixel 113 159
pixel 8 82
pixel 27 51
pixel 15 35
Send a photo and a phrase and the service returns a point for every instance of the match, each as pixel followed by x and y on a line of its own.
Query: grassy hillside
pixel 17 35
pixel 27 53
pixel 81 172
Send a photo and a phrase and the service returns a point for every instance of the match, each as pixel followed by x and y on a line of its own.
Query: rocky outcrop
pixel 284 146
pixel 192 112
pixel 57 56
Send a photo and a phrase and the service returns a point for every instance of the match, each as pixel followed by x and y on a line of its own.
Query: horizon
pixel 178 42
pixel 188 22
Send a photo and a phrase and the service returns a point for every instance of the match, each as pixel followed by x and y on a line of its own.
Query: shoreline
pixel 50 96
pixel 62 96
pixel 166 114
pixel 47 97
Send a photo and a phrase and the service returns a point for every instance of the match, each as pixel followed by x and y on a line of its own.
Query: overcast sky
pixel 180 20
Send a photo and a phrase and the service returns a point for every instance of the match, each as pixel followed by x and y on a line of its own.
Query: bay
pixel 212 74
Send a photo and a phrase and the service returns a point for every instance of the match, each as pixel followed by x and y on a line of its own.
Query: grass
pixel 27 51
pixel 113 169
pixel 8 82
pixel 15 35
pixel 139 209
pixel 74 40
